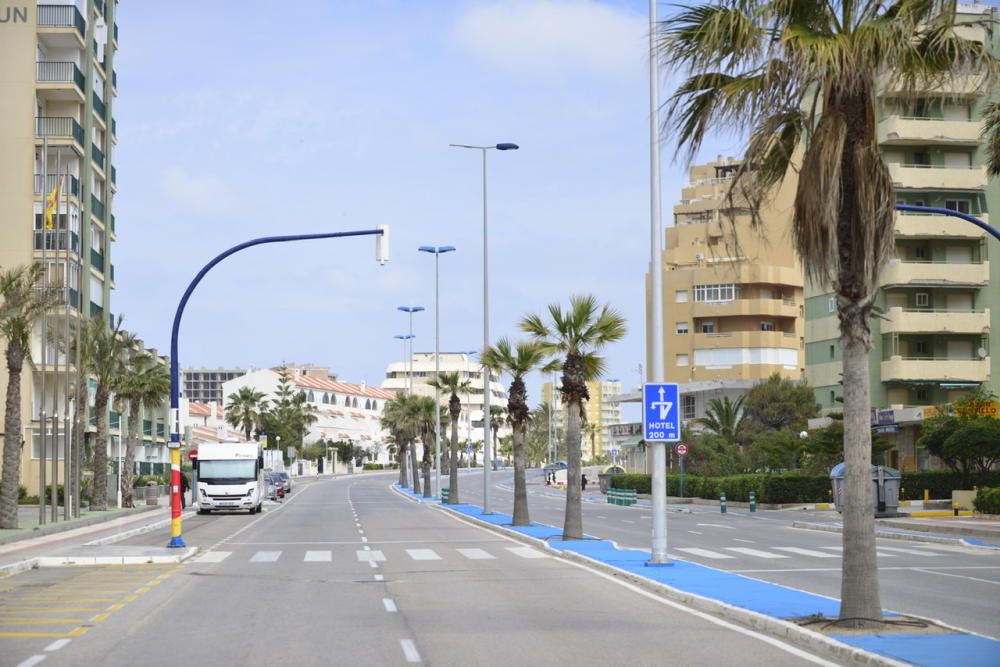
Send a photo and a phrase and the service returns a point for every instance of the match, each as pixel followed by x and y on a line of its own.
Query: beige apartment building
pixel 602 411
pixel 733 295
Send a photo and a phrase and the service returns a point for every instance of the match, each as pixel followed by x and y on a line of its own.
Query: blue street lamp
pixel 405 462
pixel 437 251
pixel 486 316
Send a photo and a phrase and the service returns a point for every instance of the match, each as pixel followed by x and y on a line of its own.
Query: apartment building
pixel 204 385
pixel 940 294
pixel 421 368
pixel 733 295
pixel 602 410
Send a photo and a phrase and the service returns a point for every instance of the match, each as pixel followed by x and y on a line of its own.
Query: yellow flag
pixel 52 204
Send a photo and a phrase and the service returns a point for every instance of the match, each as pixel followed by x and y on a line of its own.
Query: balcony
pixel 962 85
pixel 114 79
pixel 56 239
pixel 940 369
pixel 62 18
pixel 52 127
pixel 929 177
pixel 97 260
pixel 60 81
pixel 53 180
pixel 114 175
pixel 96 207
pixel 99 7
pixel 916 320
pixel 115 34
pixel 114 130
pixel 744 307
pixel 727 339
pixel 112 223
pixel 931 225
pixel 97 155
pixel 99 107
pixel 935 273
pixel 112 273
pixel 904 130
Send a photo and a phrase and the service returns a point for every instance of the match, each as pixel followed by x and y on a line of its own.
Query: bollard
pixel 722 502
pixel 927 495
pixel 753 501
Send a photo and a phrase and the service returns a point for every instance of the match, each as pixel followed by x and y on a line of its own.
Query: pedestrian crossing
pixel 783 552
pixel 369 555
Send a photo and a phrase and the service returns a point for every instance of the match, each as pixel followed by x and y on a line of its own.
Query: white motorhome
pixel 230 476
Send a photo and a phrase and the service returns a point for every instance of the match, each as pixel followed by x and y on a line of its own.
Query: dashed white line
pixel 959 576
pixel 318 556
pixel 33 660
pixel 476 554
pixel 58 644
pixel 378 577
pixel 364 539
pixel 696 532
pixel 389 605
pixel 736 539
pixel 409 650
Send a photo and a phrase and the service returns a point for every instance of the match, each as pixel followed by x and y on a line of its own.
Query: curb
pixel 18 567
pixel 64 561
pixel 961 531
pixel 786 630
pixel 149 527
pixel 906 537
pixel 63 526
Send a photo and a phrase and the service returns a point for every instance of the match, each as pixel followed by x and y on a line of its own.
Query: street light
pixel 437 252
pixel 486 317
pixel 405 463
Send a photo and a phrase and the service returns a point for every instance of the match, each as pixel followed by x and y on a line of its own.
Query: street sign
pixel 193 455
pixel 661 411
pixel 614 452
pixel 682 449
pixel 468 449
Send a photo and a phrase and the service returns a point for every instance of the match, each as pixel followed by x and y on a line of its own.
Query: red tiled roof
pixel 309 382
pixel 199 409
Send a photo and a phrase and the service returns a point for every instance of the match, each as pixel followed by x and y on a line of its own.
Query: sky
pixel 254 118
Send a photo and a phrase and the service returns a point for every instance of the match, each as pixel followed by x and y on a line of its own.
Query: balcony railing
pixel 114 79
pixel 116 32
pixel 55 239
pixel 59 72
pixel 97 207
pixel 95 310
pixel 939 369
pixel 114 127
pixel 947 320
pixel 938 177
pixel 114 175
pixel 97 155
pixel 61 16
pixel 52 181
pixel 97 260
pixel 99 6
pixel 112 222
pixel 58 128
pixel 100 107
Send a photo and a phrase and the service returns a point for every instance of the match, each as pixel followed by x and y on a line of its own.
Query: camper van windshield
pixel 233 472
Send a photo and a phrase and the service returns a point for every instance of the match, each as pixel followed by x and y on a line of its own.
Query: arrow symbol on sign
pixel 662 405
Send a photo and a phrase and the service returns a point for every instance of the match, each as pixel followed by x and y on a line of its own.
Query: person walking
pixel 185 486
pixel 583 482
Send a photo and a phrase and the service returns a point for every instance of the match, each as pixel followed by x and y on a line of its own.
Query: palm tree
pixel 105 355
pixel 145 384
pixel 245 410
pixel 497 414
pixel 397 416
pixel 576 334
pixel 23 305
pixel 451 383
pixel 517 360
pixel 592 430
pixel 724 418
pixel 422 415
pixel 800 75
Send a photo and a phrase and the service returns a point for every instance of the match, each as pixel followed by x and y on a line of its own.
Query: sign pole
pixel 661 424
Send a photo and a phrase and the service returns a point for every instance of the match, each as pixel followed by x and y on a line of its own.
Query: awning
pixel 631 442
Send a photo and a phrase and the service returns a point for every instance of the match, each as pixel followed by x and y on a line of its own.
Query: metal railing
pixel 100 107
pixel 112 268
pixel 116 32
pixel 965 311
pixel 934 166
pixel 61 16
pixel 114 127
pixel 56 239
pixel 112 222
pixel 98 156
pixel 96 206
pixel 97 260
pixel 114 79
pixel 114 175
pixel 55 127
pixel 59 72
pixel 52 181
pixel 934 261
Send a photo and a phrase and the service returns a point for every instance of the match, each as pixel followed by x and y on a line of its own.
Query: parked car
pixel 275 486
pixel 287 479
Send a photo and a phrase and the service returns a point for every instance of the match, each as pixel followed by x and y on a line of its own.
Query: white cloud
pixel 546 38
pixel 205 192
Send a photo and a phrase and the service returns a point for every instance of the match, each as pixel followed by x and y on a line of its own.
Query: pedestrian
pixel 185 485
pixel 583 482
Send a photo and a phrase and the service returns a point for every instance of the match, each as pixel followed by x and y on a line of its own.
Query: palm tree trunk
pixel 426 464
pixel 79 438
pixel 12 440
pixel 521 517
pixel 413 466
pixel 403 479
pixel 99 491
pixel 859 589
pixel 453 461
pixel 573 521
pixel 131 441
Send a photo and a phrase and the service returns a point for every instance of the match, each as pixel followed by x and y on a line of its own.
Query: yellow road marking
pixel 40 621
pixel 99 617
pixel 42 634
pixel 68 599
pixel 52 608
pixel 78 632
pixel 115 607
pixel 144 589
pixel 130 598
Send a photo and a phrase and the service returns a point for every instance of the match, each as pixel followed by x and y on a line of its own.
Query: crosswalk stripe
pixel 526 552
pixel 476 554
pixel 265 557
pixel 914 552
pixel 806 552
pixel 318 556
pixel 705 553
pixel 370 556
pixel 877 552
pixel 214 556
pixel 755 552
pixel 423 554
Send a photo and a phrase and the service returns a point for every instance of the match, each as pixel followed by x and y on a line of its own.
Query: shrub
pixel 373 466
pixel 784 488
pixel 987 501
pixel 941 483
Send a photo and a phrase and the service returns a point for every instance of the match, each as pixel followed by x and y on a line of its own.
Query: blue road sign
pixel 661 412
pixel 468 449
pixel 614 452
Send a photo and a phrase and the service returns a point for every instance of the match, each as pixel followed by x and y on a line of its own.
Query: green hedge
pixel 987 501
pixel 942 482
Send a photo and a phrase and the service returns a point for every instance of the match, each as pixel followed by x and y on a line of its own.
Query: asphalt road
pixel 957 585
pixel 347 572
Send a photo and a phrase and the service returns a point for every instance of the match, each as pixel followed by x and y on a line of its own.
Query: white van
pixel 230 476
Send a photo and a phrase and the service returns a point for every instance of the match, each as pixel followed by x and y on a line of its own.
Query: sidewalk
pixel 978 533
pixel 764 606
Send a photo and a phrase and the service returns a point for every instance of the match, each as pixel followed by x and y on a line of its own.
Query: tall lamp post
pixel 437 251
pixel 409 375
pixel 486 316
pixel 405 461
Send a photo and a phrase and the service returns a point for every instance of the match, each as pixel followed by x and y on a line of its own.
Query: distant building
pixel 602 410
pixel 204 385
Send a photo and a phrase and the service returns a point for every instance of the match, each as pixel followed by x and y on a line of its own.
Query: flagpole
pixel 55 363
pixel 67 465
pixel 42 490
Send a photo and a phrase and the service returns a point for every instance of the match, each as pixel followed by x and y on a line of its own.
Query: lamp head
pixel 507 147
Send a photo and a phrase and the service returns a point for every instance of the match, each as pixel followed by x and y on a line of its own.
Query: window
pixel 682 360
pixel 767 326
pixel 708 327
pixel 920 158
pixel 831 305
pixel 716 293
pixel 923 300
pixel 921 394
pixel 687 407
pixel 833 397
pixel 833 351
pixel 920 252
pixel 922 347
pixel 681 296
pixel 682 327
pixel 960 205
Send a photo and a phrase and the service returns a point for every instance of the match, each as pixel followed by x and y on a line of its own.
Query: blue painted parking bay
pixel 931 650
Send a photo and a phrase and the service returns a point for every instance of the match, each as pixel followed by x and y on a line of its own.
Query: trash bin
pixel 604 478
pixel 152 493
pixel 885 489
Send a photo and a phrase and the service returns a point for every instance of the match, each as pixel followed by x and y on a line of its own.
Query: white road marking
pixel 409 650
pixel 526 552
pixel 877 552
pixel 32 661
pixel 373 564
pixel 364 539
pixel 755 552
pixel 58 644
pixel 716 525
pixel 265 557
pixel 645 516
pixel 214 556
pixel 476 554
pixel 423 554
pixel 319 556
pixel 806 552
pixel 370 556
pixel 696 532
pixel 705 553
pixel 378 577
pixel 627 521
pixel 959 576
pixel 389 605
pixel 736 539
pixel 901 550
pixel 601 517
